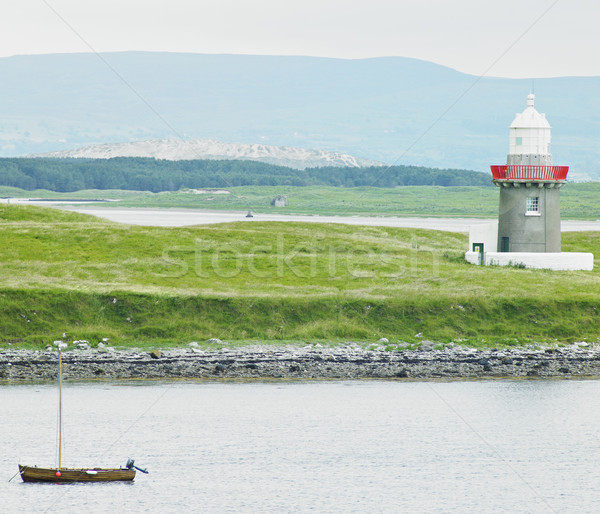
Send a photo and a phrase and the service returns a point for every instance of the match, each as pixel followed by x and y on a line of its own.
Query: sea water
pixel 358 446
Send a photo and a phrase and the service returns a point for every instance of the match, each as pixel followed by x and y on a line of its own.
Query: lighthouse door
pixel 478 247
pixel 504 244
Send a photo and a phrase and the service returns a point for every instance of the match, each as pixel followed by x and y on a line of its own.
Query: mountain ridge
pixel 173 150
pixel 391 109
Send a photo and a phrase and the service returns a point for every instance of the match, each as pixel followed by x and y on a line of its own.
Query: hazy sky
pixel 468 35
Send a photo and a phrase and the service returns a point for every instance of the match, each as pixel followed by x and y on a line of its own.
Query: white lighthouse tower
pixel 529 214
pixel 528 228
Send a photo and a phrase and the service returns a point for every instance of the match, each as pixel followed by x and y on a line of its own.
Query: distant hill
pixel 147 174
pixel 392 109
pixel 175 150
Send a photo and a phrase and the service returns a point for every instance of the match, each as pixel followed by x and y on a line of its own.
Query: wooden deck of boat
pixel 35 474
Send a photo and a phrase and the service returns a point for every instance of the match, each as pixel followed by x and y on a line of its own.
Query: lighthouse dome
pixel 530 118
pixel 529 137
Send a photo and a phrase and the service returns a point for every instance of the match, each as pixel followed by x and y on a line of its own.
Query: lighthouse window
pixel 533 204
pixel 519 140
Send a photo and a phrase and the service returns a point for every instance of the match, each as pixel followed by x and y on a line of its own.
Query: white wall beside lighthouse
pixel 566 261
pixel 486 233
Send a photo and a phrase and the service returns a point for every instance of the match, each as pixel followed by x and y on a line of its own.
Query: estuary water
pixel 367 446
pixel 173 217
pixel 186 217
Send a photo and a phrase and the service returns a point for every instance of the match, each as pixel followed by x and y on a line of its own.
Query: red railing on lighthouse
pixel 529 172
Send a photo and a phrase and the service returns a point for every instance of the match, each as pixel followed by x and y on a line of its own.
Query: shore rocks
pixel 343 362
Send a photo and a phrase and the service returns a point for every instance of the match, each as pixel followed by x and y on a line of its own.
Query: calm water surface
pixel 184 217
pixel 501 446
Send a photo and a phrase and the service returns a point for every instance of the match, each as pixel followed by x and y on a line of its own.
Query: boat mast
pixel 59 408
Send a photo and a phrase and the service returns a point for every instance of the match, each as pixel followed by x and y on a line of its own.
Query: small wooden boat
pixel 60 474
pixel 35 474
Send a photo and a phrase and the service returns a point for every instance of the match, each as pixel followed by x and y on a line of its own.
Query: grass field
pixel 578 201
pixel 64 272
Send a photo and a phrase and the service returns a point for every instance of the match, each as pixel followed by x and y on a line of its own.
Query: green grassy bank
pixel 67 273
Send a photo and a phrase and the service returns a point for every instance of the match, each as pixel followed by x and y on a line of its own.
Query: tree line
pixel 148 174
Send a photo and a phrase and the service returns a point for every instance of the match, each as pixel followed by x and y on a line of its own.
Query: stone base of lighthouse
pixel 529 217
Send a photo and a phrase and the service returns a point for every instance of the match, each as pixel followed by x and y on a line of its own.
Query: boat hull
pixel 35 474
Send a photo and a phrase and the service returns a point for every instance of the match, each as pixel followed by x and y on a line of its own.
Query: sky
pixel 503 38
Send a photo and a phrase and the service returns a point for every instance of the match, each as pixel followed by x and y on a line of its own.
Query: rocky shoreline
pixel 310 362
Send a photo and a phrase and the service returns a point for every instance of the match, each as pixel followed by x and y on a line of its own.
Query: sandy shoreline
pixel 309 362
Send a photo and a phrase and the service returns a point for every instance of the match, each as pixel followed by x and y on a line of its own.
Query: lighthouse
pixel 527 233
pixel 529 213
